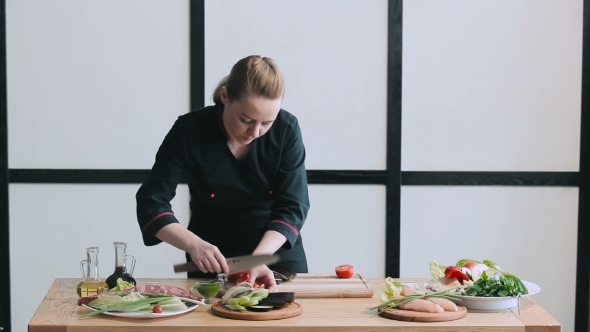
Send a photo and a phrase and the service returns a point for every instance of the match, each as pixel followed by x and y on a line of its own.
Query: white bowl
pixel 493 303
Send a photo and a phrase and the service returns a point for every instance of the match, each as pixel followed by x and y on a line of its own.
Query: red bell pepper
pixel 455 272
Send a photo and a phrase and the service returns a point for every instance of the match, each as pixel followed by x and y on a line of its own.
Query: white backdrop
pixel 489 85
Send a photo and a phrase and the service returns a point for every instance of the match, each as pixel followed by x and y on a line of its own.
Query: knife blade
pixel 235 264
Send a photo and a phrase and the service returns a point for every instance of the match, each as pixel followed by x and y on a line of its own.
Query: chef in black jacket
pixel 244 159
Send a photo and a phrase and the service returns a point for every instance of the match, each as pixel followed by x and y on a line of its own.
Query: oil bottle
pixel 121 270
pixel 91 284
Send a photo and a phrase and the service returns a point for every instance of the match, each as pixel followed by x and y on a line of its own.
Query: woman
pixel 244 159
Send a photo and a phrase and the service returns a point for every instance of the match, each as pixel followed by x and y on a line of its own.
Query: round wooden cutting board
pixel 288 311
pixel 416 316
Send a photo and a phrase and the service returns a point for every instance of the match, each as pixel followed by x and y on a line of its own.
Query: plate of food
pixel 481 285
pixel 243 301
pixel 154 311
pixel 142 301
pixel 402 301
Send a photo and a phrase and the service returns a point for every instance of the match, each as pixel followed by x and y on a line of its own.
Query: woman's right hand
pixel 208 258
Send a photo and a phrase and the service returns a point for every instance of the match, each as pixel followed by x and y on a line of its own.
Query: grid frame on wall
pixel 392 177
pixel 5 313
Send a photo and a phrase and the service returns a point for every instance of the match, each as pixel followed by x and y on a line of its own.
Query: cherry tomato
pixel 238 277
pixel 469 265
pixel 157 309
pixel 344 271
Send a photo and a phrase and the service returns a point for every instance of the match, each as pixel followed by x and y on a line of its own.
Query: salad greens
pixel 437 270
pixel 493 284
pixel 121 285
pixel 488 279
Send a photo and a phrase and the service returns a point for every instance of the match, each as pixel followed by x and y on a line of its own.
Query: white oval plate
pixel 146 314
pixel 493 303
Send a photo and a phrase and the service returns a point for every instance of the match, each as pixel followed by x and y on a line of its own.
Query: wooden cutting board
pixel 288 311
pixel 416 316
pixel 309 286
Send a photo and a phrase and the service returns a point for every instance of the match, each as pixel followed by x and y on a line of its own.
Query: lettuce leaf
pixel 394 288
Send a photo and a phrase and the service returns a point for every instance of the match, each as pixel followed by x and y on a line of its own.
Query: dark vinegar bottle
pixel 121 270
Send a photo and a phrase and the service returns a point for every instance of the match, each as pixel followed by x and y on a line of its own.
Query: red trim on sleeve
pixel 288 225
pixel 155 218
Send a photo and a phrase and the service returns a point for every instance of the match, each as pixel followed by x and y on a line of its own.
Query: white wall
pixel 334 59
pixel 493 86
pixel 489 85
pixel 91 84
pixel 98 84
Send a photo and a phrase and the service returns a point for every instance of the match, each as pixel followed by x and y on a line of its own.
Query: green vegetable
pixel 394 288
pixel 437 271
pixel 121 285
pixel 244 301
pixel 463 261
pixel 111 300
pixel 495 284
pixel 126 306
pixel 521 287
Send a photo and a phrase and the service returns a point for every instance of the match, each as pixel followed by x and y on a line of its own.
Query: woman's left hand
pixel 262 275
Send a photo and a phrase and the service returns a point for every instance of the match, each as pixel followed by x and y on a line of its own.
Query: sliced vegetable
pixel 469 265
pixel 345 271
pixel 477 271
pixel 125 306
pixel 454 272
pixel 238 277
pixel 242 297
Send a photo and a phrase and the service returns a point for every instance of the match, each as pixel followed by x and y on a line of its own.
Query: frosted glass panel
pixel 531 232
pixel 94 84
pixel 52 225
pixel 491 85
pixel 334 57
pixel 346 225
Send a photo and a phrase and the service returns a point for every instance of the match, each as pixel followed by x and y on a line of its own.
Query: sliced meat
pixel 167 290
pixel 447 305
pixel 422 306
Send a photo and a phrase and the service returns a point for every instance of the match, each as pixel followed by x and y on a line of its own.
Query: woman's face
pixel 249 117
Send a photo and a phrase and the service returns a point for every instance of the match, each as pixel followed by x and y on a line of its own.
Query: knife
pixel 235 264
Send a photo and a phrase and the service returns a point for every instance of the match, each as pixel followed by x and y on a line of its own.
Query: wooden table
pixel 59 312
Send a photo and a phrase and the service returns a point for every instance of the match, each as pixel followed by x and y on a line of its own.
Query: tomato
pixel 469 265
pixel 238 277
pixel 257 285
pixel 344 271
pixel 157 309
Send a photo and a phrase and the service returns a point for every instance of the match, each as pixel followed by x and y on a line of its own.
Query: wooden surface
pixel 314 286
pixel 288 311
pixel 415 316
pixel 307 285
pixel 59 312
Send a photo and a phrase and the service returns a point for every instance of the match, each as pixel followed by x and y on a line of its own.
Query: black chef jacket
pixel 233 202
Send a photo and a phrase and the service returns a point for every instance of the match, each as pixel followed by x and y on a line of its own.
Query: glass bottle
pixel 121 270
pixel 91 283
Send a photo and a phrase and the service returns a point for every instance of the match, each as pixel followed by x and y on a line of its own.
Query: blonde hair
pixel 253 74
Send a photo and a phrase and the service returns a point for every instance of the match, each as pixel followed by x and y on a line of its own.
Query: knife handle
pixel 185 267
